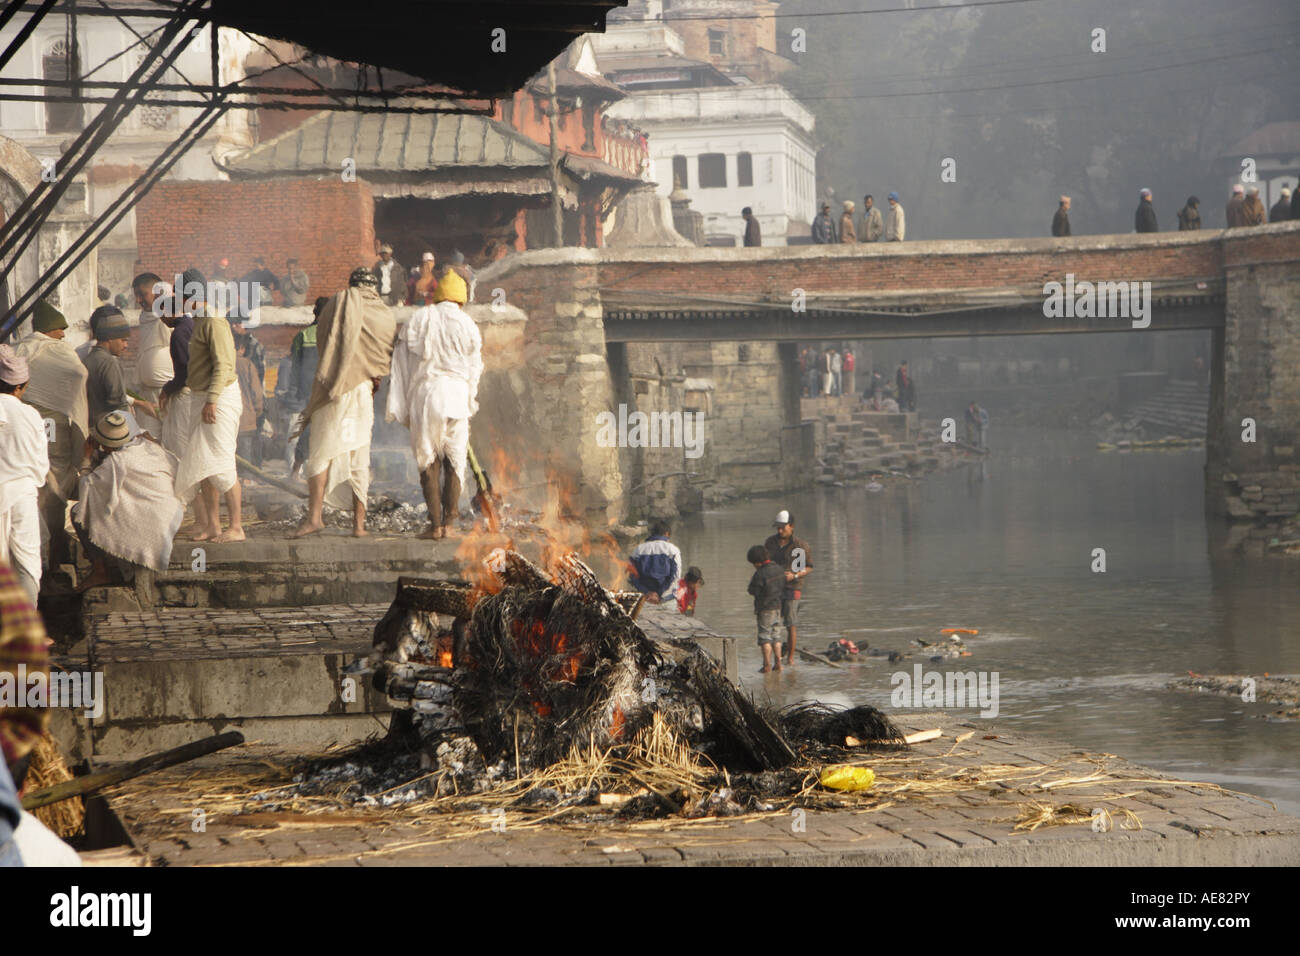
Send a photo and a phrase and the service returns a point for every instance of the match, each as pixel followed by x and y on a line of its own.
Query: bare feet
pixel 428 534
pixel 208 534
pixel 449 532
pixel 360 533
pixel 233 534
pixel 306 528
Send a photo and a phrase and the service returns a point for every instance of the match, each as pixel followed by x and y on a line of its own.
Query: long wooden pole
pixel 80 786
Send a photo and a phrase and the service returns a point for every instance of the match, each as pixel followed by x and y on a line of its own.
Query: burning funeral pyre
pixel 524 671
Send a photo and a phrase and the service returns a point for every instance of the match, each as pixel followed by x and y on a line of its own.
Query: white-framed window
pixel 59 63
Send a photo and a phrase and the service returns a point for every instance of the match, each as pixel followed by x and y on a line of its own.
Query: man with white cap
pixel 848 232
pixel 795 556
pixel 1281 211
pixel 1144 220
pixel 24 464
pixel 896 227
pixel 1234 213
pixel 434 392
pixel 1253 212
pixel 390 277
pixel 1061 221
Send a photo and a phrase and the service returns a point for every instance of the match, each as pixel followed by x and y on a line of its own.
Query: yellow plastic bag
pixel 844 777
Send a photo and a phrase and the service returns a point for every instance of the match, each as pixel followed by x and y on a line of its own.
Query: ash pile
pixel 522 671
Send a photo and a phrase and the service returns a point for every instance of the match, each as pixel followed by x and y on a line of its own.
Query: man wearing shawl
pixel 127 507
pixel 434 392
pixel 211 410
pixel 24 464
pixel 354 343
pixel 153 365
pixel 57 390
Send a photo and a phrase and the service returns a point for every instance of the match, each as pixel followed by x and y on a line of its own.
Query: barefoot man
pixel 354 344
pixel 213 406
pixel 434 392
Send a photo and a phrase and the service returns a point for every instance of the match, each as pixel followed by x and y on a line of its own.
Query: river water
pixel 1007 547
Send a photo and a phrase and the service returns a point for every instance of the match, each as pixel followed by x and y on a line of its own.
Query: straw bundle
pixel 46 768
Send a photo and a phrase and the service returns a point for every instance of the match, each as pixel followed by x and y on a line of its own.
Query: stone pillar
pixel 1257 379
pixel 568 380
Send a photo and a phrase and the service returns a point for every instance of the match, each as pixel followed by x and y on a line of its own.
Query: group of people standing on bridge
pixel 872 227
pixel 1244 208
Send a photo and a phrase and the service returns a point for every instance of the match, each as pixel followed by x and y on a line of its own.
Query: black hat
pixel 362 275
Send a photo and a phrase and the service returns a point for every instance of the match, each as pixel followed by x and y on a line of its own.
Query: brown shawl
pixel 354 341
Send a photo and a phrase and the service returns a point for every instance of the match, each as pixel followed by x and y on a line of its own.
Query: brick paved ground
pixel 182 633
pixel 1180 825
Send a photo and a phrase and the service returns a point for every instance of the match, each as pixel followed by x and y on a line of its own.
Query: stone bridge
pixel 583 306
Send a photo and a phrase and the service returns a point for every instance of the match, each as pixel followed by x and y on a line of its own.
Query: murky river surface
pixel 1081 656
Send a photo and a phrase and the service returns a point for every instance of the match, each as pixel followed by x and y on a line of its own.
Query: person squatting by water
pixel 688 590
pixel 354 352
pixel 436 368
pixel 655 564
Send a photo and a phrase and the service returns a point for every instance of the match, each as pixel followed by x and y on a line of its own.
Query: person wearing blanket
pixel 354 342
pixel 57 390
pixel 126 507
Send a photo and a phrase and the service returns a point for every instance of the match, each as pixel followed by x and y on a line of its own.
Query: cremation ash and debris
pixel 536 688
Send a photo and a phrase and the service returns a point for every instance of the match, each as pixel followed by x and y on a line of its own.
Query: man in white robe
pixel 24 465
pixel 434 392
pixel 354 343
pixel 212 409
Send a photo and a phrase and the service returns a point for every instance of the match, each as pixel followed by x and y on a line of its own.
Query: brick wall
pixel 328 225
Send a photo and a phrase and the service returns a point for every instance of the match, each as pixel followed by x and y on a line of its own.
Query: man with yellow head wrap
pixel 434 392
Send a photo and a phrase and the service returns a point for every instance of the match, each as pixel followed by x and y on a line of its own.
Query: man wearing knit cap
pixel 896 228
pixel 105 382
pixel 354 352
pixel 127 512
pixel 210 413
pixel 24 465
pixel 434 392
pixel 1234 213
pixel 57 390
pixel 1144 220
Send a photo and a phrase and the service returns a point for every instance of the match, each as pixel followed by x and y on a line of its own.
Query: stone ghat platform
pixel 174 674
pixel 1180 825
pixel 270 569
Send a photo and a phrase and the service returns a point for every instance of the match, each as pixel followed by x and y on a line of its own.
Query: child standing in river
pixel 766 585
